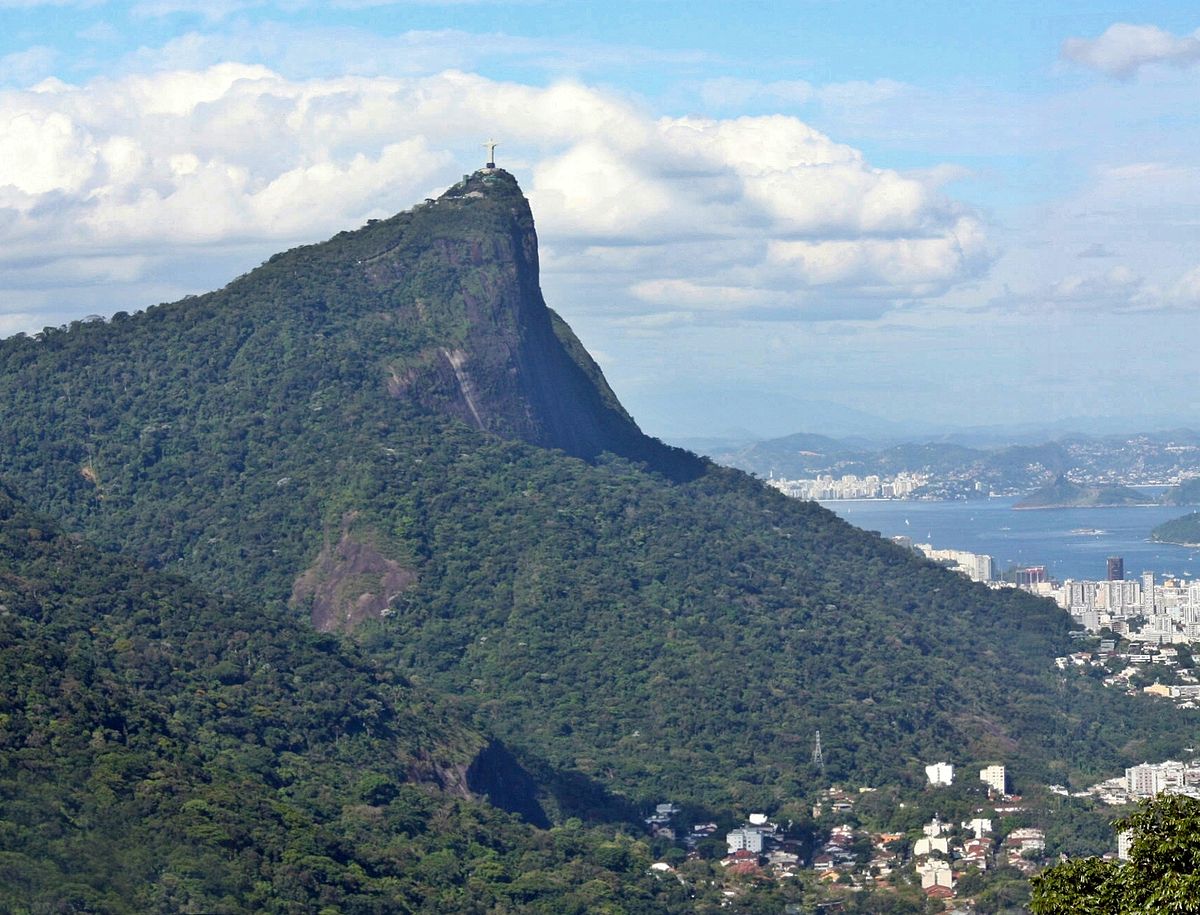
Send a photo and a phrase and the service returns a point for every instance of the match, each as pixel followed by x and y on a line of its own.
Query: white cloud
pixel 1119 289
pixel 44 151
pixel 1186 290
pixel 25 67
pixel 338 50
pixel 1117 286
pixel 752 215
pixel 681 293
pixel 759 215
pixel 1124 49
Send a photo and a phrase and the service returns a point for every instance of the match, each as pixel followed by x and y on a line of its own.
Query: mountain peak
pixel 465 269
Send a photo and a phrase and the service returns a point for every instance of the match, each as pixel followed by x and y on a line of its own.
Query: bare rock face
pixel 349 582
pixel 464 271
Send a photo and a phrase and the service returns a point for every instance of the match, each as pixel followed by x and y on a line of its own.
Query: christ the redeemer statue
pixel 491 145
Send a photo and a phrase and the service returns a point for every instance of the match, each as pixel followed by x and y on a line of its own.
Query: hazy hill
pixel 1062 493
pixel 390 434
pixel 805 454
pixel 1186 493
pixel 958 469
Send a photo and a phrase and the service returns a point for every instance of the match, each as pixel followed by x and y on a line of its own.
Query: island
pixel 1062 493
pixel 1184 531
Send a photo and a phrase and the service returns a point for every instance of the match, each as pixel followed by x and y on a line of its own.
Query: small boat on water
pixel 1088 531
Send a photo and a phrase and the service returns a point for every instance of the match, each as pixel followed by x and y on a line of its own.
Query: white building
pixel 976 566
pixel 940 774
pixel 935 873
pixel 934 827
pixel 981 826
pixel 994 777
pixel 745 839
pixel 929 844
pixel 1124 843
pixel 1148 779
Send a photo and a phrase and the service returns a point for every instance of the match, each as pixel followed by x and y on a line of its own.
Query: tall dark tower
pixel 818 758
pixel 1116 568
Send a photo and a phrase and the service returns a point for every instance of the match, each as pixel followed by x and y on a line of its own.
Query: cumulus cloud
pixel 1124 49
pixel 120 179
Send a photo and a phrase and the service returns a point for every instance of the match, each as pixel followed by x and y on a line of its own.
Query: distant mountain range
pixel 957 468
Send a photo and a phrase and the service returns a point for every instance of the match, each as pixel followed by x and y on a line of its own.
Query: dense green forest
pixel 165 751
pixel 390 436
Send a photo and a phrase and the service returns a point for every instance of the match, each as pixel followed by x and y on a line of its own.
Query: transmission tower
pixel 818 759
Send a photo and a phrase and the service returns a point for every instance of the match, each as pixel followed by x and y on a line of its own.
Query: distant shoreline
pixel 1034 508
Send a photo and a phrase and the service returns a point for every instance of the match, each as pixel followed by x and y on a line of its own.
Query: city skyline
pixel 758 220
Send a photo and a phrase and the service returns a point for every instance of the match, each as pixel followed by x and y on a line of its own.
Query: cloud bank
pixel 118 180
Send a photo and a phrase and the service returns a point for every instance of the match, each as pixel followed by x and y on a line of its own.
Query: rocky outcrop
pixel 349 582
pixel 502 362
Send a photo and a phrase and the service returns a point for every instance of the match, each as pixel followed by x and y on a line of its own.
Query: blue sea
pixel 1069 542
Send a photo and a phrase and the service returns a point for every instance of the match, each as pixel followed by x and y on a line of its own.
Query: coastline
pixel 1062 505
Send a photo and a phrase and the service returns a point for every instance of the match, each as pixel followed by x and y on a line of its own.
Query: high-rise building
pixel 1148 593
pixel 994 778
pixel 1116 568
pixel 1148 780
pixel 1124 844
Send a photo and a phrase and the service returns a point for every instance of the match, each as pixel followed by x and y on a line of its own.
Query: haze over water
pixel 1049 537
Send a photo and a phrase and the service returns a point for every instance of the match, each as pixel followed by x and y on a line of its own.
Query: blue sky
pixel 756 215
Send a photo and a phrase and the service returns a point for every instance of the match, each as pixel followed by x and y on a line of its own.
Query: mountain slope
pixel 163 751
pixel 361 428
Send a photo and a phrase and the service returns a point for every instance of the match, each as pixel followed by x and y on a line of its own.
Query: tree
pixel 1162 874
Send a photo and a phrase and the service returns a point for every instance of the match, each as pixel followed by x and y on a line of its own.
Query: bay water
pixel 1069 542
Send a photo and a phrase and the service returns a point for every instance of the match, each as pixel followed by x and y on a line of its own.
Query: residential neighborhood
pixel 939 859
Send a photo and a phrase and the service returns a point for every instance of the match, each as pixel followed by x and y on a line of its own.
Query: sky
pixel 821 215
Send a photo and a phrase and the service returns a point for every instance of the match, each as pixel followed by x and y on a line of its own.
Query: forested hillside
pixel 164 751
pixel 1179 530
pixel 391 436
